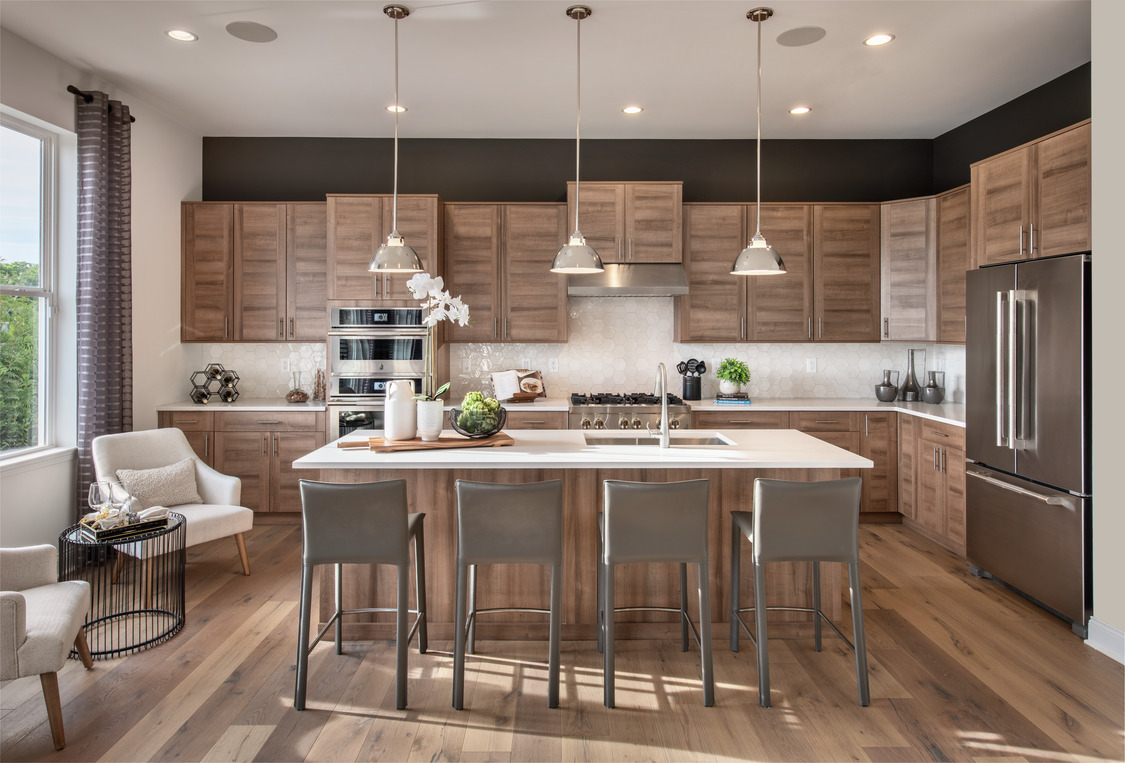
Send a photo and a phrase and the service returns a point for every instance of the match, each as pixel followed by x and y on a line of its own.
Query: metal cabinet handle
pixel 495 327
pixel 206 444
pixel 935 457
pixel 943 460
pixel 1054 500
pixel 825 421
pixel 630 247
pixel 185 421
pixel 886 328
pixel 275 438
pixel 866 433
pixel 820 327
pixel 742 328
pixel 810 327
pixel 939 434
pixel 537 421
pixel 281 327
pixel 263 445
pixel 290 328
pixel 269 422
pixel 226 327
pixel 1021 241
pixel 1031 240
pixel 507 328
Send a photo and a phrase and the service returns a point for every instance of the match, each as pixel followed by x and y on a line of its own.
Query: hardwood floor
pixel 961 669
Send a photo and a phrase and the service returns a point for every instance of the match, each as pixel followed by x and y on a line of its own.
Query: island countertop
pixel 567 449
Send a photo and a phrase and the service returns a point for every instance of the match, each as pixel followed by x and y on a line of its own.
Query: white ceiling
pixel 506 68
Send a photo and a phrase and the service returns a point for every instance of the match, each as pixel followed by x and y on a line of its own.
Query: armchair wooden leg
pixel 50 683
pixel 242 553
pixel 83 649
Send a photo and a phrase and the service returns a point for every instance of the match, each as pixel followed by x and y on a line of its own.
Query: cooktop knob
pixel 623 424
pixel 674 424
pixel 599 424
pixel 636 423
pixel 585 423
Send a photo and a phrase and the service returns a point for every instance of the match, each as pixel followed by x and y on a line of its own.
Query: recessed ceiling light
pixel 800 110
pixel 396 109
pixel 632 109
pixel 251 31
pixel 182 35
pixel 878 39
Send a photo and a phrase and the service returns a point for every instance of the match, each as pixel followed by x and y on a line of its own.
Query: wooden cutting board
pixel 380 445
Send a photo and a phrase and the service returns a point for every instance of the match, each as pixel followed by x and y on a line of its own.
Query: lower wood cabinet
pixel 537 420
pixel 739 419
pixel 932 480
pixel 258 447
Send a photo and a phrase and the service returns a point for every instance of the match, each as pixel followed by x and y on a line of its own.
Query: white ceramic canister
pixel 400 412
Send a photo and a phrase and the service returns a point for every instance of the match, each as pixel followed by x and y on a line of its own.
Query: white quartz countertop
pixel 245 404
pixel 949 413
pixel 567 449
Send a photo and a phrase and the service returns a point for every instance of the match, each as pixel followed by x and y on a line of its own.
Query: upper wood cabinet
pixel 846 272
pixel 909 269
pixel 253 272
pixel 1033 201
pixel 952 262
pixel 630 222
pixel 498 259
pixel 360 224
pixel 780 308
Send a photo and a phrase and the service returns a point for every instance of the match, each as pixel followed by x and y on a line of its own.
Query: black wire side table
pixel 137 597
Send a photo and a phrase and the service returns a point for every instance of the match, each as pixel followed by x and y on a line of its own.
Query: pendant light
pixel 576 256
pixel 758 258
pixel 395 255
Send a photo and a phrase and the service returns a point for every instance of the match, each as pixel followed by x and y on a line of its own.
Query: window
pixel 28 205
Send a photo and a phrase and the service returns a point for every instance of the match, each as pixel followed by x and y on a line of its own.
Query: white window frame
pixel 48 284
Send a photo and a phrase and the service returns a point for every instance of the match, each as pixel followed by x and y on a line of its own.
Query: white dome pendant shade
pixel 395 255
pixel 576 256
pixel 758 258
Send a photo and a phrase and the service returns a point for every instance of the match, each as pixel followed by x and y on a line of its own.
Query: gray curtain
pixel 105 286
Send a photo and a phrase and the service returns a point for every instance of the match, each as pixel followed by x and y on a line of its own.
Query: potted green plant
pixel 732 374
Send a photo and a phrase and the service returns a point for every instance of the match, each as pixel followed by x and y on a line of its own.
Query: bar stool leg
pixel 339 606
pixel 402 627
pixel 762 635
pixel 303 638
pixel 735 574
pixel 859 634
pixel 683 608
pixel 459 640
pixel 705 634
pixel 816 603
pixel 472 647
pixel 608 664
pixel 420 587
pixel 555 637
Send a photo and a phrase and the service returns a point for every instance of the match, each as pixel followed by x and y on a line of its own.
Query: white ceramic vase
pixel 399 413
pixel 728 387
pixel 431 419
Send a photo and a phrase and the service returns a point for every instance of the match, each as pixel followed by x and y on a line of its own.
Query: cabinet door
pixel 953 261
pixel 208 262
pixel 355 231
pixel 909 270
pixel 259 272
pixel 601 217
pixel 1001 207
pixel 931 489
pixel 879 442
pixel 713 308
pixel 954 469
pixel 1063 169
pixel 653 222
pixel 907 466
pixel 534 297
pixel 779 308
pixel 736 419
pixel 472 258
pixel 246 455
pixel 849 441
pixel 536 420
pixel 846 273
pixel 285 493
pixel 307 272
pixel 420 224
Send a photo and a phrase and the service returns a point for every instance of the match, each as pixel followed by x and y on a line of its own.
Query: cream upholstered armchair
pixel 211 508
pixel 39 620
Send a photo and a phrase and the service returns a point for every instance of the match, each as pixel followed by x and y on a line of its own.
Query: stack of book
pixel 737 398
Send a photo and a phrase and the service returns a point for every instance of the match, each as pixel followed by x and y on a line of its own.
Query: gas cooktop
pixel 613 398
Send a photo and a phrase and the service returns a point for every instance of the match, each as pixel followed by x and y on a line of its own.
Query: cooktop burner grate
pixel 614 398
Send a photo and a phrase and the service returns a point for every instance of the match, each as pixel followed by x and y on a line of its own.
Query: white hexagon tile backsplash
pixel 614 345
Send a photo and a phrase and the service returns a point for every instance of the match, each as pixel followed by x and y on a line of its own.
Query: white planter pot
pixel 431 419
pixel 728 387
pixel 399 422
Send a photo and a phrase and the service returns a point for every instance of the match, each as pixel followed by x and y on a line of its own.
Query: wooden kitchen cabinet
pixel 1034 200
pixel 908 265
pixel 630 222
pixel 253 272
pixel 873 435
pixel 952 262
pixel 360 224
pixel 497 259
pixel 846 272
pixel 780 308
pixel 197 426
pixel 932 480
pixel 537 420
pixel 739 419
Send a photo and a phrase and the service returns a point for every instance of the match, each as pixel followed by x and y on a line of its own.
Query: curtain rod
pixel 87 98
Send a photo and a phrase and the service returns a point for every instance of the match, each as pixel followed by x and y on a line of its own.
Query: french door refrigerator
pixel 1028 491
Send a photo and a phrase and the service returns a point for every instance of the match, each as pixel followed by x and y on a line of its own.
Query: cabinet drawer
pixel 188 421
pixel 536 420
pixel 824 421
pixel 269 421
pixel 736 419
pixel 941 434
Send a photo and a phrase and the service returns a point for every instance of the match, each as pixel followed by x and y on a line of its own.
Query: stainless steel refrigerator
pixel 1028 491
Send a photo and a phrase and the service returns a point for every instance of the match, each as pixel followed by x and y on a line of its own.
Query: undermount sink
pixel 676 441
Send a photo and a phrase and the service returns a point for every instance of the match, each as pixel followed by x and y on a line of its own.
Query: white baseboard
pixel 1106 639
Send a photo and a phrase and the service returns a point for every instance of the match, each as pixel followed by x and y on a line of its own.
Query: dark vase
pixel 911 390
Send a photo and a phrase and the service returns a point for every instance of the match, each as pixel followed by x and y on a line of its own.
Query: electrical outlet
pixel 525 364
pixel 553 365
pixel 810 365
pixel 285 365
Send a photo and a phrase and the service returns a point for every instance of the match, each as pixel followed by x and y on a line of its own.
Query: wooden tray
pixel 379 445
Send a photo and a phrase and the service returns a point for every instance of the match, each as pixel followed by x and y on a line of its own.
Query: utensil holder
pixel 692 388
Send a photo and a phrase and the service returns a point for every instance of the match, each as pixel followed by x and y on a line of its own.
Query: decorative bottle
pixel 911 390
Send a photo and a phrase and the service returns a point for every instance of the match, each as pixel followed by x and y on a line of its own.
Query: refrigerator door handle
pixel 1050 499
pixel 1012 368
pixel 1001 440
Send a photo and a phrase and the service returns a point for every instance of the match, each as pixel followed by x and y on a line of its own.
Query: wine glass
pixel 101 495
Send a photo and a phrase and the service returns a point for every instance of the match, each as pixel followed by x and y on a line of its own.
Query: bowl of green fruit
pixel 478 417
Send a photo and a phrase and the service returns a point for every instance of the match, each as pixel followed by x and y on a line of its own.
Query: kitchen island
pixel 731 467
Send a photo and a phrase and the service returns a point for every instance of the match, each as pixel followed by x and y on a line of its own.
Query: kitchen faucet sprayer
pixel 662 391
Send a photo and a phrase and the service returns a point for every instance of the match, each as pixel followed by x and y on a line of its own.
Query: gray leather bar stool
pixel 794 522
pixel 655 522
pixel 361 523
pixel 506 524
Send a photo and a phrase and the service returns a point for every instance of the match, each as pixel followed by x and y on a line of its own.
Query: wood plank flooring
pixel 961 669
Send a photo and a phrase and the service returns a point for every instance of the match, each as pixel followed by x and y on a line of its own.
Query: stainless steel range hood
pixel 664 279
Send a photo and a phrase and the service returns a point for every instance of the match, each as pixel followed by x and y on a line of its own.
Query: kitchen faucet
pixel 662 390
